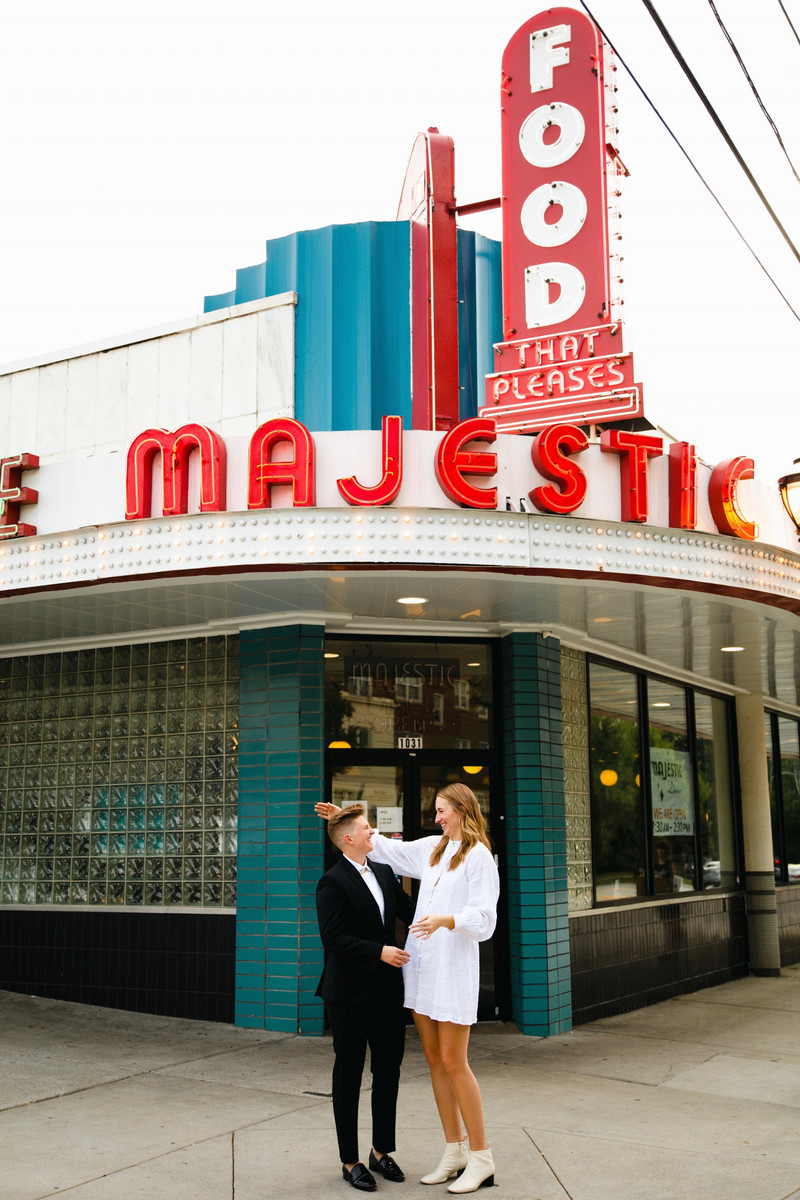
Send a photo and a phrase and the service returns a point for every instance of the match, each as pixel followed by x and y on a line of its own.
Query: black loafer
pixel 359 1178
pixel 386 1167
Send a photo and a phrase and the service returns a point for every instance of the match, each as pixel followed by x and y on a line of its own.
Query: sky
pixel 150 148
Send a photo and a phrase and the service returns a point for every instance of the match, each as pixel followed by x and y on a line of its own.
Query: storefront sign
pixel 12 495
pixel 556 254
pixel 670 782
pixel 469 462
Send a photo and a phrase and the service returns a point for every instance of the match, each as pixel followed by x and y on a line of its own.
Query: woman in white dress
pixel 456 909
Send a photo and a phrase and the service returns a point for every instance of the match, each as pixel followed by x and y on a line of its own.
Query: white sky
pixel 150 148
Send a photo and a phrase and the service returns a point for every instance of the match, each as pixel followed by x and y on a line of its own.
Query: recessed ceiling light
pixel 473 664
pixel 730 649
pixel 330 654
pixel 412 599
pixel 661 704
pixel 601 620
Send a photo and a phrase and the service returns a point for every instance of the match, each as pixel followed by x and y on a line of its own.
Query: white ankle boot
pixel 454 1160
pixel 479 1172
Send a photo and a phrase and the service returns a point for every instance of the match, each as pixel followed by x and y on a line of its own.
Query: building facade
pixel 236 580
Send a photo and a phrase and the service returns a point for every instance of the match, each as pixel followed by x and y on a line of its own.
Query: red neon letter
pixel 298 471
pixel 392 457
pixel 549 453
pixel 175 449
pixel 633 449
pixel 452 463
pixel 682 486
pixel 12 494
pixel 724 502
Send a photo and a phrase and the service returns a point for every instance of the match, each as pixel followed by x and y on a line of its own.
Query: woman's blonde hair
pixel 463 801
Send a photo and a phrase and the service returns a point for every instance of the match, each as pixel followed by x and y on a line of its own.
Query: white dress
pixel 443 972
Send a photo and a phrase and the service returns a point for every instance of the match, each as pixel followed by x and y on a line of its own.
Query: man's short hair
pixel 339 823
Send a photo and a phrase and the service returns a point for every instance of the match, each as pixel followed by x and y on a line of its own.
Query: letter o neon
pixel 573 203
pixel 531 135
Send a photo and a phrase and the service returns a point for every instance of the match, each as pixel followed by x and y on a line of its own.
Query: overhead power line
pixel 789 19
pixel 709 107
pixel 753 87
pixel 692 164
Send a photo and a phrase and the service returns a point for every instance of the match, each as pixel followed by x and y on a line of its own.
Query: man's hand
pixel 394 956
pixel 326 811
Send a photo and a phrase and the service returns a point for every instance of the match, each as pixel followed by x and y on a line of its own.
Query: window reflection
pixel 670 789
pixel 677 834
pixel 382 691
pixel 790 795
pixel 714 793
pixel 617 797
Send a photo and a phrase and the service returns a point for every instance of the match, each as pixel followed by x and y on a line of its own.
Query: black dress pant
pixel 382 1027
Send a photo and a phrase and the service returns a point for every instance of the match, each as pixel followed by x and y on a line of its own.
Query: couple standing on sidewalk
pixel 358 901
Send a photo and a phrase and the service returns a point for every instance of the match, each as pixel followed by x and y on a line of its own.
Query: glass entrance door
pixel 398 791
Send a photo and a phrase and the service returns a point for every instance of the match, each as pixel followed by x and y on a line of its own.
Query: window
pixel 783 758
pixel 121 772
pixel 409 689
pixel 616 780
pixel 662 804
pixel 359 685
pixel 398 688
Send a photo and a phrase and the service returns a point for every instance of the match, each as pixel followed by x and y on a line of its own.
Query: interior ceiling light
pixel 330 654
pixel 473 664
pixel 412 599
pixel 472 770
pixel 601 620
pixel 661 704
pixel 730 649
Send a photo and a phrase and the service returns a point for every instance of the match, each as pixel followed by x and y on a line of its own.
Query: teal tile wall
pixel 281 773
pixel 536 835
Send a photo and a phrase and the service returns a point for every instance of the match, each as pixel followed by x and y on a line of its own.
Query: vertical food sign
pixel 561 359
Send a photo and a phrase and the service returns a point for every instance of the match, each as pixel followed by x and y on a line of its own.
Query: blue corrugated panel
pixel 352 326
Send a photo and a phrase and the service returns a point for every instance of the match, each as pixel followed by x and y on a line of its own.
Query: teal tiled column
pixel 281 776
pixel 536 835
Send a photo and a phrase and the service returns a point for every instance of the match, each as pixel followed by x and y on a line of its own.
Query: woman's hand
pixel 425 926
pixel 326 811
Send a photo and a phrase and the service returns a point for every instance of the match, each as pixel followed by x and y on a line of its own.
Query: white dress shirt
pixel 368 875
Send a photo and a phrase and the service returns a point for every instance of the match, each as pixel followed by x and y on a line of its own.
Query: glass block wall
pixel 575 729
pixel 118 775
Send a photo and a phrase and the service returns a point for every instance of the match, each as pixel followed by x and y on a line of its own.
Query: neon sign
pixel 556 257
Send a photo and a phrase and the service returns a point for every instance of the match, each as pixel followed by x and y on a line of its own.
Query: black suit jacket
pixel 353 935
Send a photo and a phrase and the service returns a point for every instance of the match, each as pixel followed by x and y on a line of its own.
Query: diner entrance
pixel 403 720
pixel 398 791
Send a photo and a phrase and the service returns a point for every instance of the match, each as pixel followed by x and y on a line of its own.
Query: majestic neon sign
pixel 13 494
pixel 282 454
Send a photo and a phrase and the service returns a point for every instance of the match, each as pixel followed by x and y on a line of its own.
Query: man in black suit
pixel 362 986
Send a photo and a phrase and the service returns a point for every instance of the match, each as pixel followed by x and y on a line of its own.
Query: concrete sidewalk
pixel 698 1097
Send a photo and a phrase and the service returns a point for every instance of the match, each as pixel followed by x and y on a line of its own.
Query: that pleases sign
pixel 562 357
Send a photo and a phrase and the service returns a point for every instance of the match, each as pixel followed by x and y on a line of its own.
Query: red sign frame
pixel 555 272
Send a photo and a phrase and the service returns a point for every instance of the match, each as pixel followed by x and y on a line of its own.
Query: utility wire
pixel 648 4
pixel 753 87
pixel 692 164
pixel 789 19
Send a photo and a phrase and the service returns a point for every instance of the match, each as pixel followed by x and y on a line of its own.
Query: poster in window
pixel 671 785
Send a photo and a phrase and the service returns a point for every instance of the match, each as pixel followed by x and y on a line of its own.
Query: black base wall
pixel 623 959
pixel 789 924
pixel 173 964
